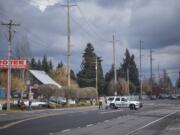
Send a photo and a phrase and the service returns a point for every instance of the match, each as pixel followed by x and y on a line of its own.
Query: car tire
pixel 112 106
pixel 132 107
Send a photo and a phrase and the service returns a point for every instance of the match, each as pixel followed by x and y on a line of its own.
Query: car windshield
pixel 110 99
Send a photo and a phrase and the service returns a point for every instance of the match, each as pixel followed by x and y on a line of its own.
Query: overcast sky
pixel 43 23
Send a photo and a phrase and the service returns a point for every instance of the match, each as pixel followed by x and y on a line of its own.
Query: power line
pixel 90 24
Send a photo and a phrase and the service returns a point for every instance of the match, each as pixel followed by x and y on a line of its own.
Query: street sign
pixel 15 64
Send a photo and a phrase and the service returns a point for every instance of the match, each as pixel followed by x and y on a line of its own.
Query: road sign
pixel 15 64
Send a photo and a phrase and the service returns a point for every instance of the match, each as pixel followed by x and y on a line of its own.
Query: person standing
pixel 100 104
pixel 30 104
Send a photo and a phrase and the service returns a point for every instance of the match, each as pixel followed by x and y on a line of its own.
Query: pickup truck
pixel 123 102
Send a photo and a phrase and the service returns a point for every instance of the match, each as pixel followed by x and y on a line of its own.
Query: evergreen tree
pixel 39 66
pixel 73 76
pixel 45 65
pixel 50 65
pixel 129 63
pixel 87 76
pixel 101 81
pixel 60 65
pixel 108 77
pixel 33 63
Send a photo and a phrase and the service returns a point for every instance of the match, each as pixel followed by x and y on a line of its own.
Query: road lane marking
pixel 89 125
pixel 111 111
pixel 66 130
pixel 132 132
pixel 106 121
pixel 3 114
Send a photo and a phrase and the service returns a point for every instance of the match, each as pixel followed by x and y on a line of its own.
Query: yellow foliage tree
pixel 121 87
pixel 146 86
pixel 60 76
pixel 2 79
pixel 18 84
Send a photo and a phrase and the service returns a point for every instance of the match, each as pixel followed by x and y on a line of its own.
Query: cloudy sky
pixel 43 24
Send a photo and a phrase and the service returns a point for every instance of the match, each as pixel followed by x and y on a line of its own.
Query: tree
pixel 165 82
pixel 129 63
pixel 50 65
pixel 73 76
pixel 2 79
pixel 100 76
pixel 87 76
pixel 109 87
pixel 45 65
pixel 121 87
pixel 33 63
pixel 48 90
pixel 39 65
pixel 60 65
pixel 146 86
pixel 60 76
pixel 18 84
pixel 22 49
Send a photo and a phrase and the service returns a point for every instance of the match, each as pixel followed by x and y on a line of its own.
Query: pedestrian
pixel 100 104
pixel 30 105
pixel 91 102
pixel 19 103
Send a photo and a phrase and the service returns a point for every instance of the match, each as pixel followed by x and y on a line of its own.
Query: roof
pixel 43 77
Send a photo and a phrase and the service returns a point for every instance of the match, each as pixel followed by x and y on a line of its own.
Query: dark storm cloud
pixel 156 23
pixel 42 29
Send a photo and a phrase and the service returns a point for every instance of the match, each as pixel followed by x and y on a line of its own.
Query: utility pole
pixel 140 72
pixel 151 74
pixel 159 72
pixel 179 80
pixel 114 66
pixel 68 41
pixel 9 25
pixel 97 75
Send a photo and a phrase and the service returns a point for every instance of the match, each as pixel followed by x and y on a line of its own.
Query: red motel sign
pixel 15 64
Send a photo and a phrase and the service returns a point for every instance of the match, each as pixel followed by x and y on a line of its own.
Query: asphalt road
pixel 155 118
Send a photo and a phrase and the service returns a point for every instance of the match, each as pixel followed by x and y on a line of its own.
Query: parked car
pixel 37 103
pixel 153 97
pixel 164 96
pixel 173 97
pixel 58 100
pixel 123 102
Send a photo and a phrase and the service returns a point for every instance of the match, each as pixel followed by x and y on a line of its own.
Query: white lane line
pixel 106 121
pixel 3 114
pixel 89 125
pixel 67 130
pixel 111 111
pixel 150 123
